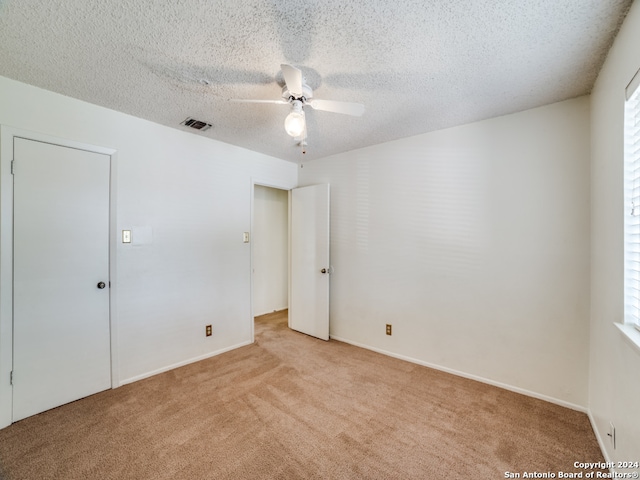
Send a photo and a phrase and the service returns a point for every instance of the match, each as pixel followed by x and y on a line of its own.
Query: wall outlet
pixel 208 330
pixel 612 434
pixel 388 329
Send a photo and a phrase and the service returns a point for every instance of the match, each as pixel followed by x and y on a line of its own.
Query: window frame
pixel 632 203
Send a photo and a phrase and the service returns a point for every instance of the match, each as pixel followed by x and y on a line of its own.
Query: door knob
pixel 101 285
pixel 324 270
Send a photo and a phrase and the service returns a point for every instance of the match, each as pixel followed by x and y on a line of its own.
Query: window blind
pixel 632 204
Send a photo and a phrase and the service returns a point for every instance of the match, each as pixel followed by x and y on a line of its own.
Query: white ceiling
pixel 416 65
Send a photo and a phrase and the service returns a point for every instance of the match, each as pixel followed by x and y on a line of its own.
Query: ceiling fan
pixel 299 95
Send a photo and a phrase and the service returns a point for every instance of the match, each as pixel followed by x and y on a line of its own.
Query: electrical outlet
pixel 208 330
pixel 388 329
pixel 612 434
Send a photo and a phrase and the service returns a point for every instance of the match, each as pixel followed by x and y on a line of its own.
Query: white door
pixel 61 343
pixel 309 301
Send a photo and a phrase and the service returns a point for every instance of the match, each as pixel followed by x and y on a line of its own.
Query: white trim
pixel 289 231
pixel 601 441
pixel 7 134
pixel 505 386
pixel 6 276
pixel 63 142
pixel 631 334
pixel 114 240
pixel 183 363
pixel 272 312
pixel 633 85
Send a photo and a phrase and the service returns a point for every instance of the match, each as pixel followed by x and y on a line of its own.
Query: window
pixel 632 203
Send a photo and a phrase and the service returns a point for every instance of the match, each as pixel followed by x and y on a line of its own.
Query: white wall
pixel 473 242
pixel 194 195
pixel 614 387
pixel 270 261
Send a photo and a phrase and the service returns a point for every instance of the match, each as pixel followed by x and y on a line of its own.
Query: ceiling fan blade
pixel 348 108
pixel 293 79
pixel 241 100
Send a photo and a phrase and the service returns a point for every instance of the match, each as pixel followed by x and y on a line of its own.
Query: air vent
pixel 197 124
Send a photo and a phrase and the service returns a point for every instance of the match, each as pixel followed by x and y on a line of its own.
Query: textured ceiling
pixel 416 65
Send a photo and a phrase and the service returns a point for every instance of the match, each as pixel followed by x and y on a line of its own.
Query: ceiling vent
pixel 197 124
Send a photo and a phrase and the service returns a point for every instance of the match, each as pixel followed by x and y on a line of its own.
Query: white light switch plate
pixel 126 236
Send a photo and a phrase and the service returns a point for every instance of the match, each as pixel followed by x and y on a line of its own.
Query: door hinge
pixel 13 167
pixel 11 378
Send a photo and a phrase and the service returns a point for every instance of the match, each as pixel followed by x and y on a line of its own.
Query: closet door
pixel 61 343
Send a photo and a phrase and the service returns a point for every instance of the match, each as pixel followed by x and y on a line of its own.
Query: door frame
pixel 278 186
pixel 7 135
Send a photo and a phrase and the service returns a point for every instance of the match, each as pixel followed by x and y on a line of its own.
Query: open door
pixel 309 280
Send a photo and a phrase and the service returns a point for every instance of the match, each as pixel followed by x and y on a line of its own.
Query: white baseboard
pixel 601 441
pixel 505 386
pixel 183 363
pixel 270 311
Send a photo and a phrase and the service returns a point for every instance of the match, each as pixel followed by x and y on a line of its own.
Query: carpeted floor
pixel 294 407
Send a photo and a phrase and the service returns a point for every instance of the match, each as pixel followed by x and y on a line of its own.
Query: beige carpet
pixel 290 407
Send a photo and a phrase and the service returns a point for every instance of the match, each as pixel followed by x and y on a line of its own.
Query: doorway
pixel 290 256
pixel 270 250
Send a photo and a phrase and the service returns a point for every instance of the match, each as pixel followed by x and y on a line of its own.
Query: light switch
pixel 245 237
pixel 126 236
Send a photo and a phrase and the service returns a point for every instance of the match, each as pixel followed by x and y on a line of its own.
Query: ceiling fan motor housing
pixel 307 94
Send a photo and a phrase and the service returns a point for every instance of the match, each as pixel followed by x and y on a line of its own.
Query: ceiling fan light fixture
pixel 294 124
pixel 297 93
